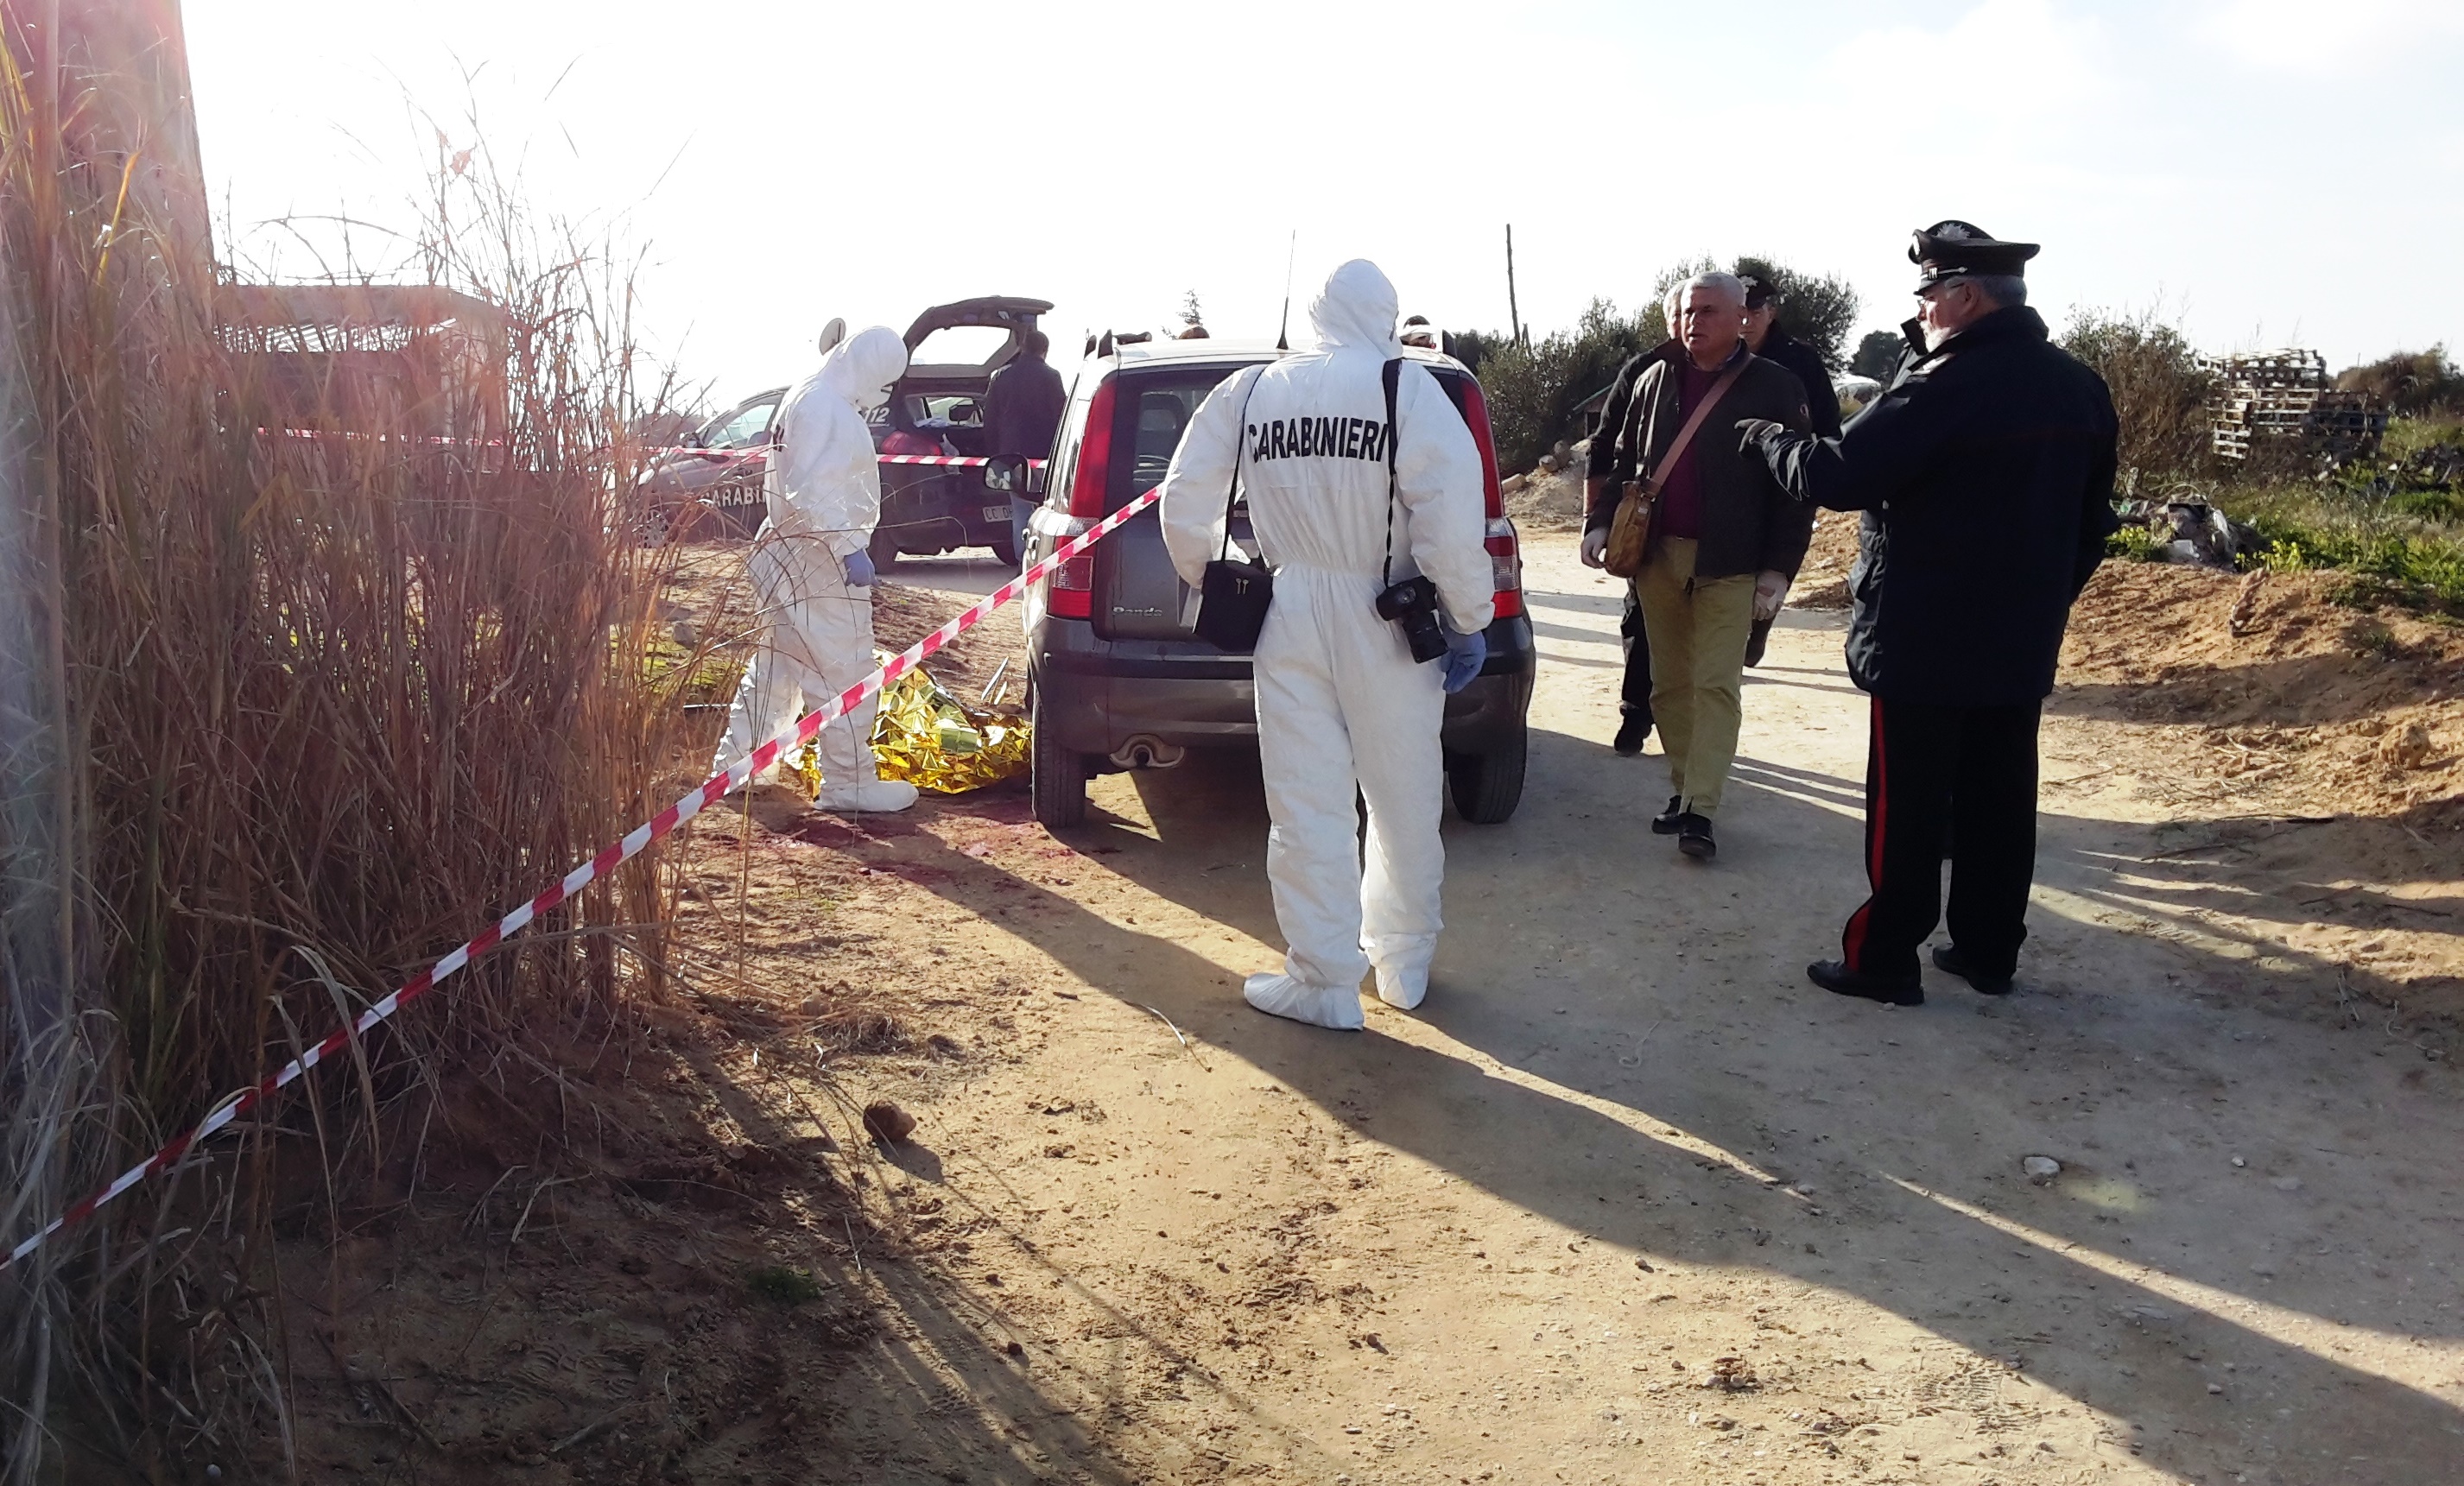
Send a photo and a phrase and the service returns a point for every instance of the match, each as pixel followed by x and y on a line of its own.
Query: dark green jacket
pixel 1750 524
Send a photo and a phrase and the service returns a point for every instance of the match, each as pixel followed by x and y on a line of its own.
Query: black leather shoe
pixel 1891 990
pixel 1632 730
pixel 1948 959
pixel 1669 821
pixel 1694 837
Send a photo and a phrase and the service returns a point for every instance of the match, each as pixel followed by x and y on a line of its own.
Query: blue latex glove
pixel 859 568
pixel 1464 654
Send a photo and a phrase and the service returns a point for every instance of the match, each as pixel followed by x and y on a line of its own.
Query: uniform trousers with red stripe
pixel 1955 782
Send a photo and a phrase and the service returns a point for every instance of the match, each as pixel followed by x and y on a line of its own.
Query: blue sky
pixel 2269 172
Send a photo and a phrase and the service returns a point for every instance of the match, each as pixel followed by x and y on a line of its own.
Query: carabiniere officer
pixel 1985 474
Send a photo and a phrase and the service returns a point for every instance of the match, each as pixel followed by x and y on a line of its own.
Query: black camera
pixel 1413 605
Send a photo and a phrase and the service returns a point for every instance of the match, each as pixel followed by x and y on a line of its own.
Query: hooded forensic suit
pixel 1341 704
pixel 824 493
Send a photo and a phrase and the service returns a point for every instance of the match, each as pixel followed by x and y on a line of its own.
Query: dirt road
pixel 1626 1201
pixel 1508 1238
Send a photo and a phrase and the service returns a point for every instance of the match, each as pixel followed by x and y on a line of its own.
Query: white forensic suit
pixel 824 493
pixel 1341 704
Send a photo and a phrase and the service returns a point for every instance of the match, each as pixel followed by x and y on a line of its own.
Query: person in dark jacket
pixel 1765 338
pixel 1023 407
pixel 1985 474
pixel 1722 542
pixel 1633 692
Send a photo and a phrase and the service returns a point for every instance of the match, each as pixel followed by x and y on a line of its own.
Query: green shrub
pixel 1814 310
pixel 1878 354
pixel 1532 390
pixel 2409 382
pixel 2446 506
pixel 2158 391
pixel 2427 561
pixel 2407 436
pixel 2134 544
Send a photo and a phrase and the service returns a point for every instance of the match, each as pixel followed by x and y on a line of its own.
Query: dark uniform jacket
pixel 1750 524
pixel 1985 477
pixel 1821 398
pixel 1022 408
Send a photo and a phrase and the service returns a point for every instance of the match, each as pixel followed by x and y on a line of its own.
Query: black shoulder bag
pixel 1235 594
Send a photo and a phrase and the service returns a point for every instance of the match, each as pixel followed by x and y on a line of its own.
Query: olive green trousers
pixel 1697 631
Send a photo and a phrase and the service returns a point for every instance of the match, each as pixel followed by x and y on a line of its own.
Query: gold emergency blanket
pixel 933 741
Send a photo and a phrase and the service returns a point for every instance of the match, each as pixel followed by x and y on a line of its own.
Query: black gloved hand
pixel 1751 433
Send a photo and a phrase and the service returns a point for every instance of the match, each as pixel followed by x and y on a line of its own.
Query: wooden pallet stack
pixel 2283 401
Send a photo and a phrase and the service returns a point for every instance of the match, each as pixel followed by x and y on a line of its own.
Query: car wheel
pixel 1004 546
pixel 1487 787
pixel 883 549
pixel 1058 777
pixel 652 529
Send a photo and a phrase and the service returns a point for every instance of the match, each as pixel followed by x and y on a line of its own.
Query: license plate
pixel 999 513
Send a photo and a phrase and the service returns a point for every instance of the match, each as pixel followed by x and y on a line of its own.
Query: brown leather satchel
pixel 1630 529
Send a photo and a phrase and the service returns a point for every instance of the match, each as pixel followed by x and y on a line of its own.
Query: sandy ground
pixel 1627 1200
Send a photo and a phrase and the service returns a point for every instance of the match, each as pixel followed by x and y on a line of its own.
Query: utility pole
pixel 1513 311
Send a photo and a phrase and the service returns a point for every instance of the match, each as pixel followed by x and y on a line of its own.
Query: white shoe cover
pixel 875 796
pixel 1279 994
pixel 1402 987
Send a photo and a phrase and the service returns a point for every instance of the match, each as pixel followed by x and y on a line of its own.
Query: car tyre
pixel 883 549
pixel 655 528
pixel 1004 546
pixel 1057 777
pixel 1487 787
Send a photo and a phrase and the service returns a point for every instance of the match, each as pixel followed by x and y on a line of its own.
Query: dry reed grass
pixel 285 714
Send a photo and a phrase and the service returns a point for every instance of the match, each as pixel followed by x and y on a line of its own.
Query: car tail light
pixel 1504 555
pixel 1093 475
pixel 1506 560
pixel 1475 411
pixel 902 442
pixel 1071 593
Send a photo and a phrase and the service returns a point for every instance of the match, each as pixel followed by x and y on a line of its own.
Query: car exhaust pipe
pixel 1146 751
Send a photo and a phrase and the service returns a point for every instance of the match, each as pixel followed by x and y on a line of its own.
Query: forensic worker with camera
pixel 1364 495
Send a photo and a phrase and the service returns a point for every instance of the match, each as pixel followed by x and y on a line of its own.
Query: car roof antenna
pixel 1283 332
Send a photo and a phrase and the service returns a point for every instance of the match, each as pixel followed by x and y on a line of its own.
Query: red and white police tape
pixel 714 790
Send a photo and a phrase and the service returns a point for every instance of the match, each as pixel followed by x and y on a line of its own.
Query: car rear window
pixel 1165 403
pixel 1158 414
pixel 961 345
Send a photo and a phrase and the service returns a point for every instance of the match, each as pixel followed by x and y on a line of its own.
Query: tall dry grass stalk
pixel 308 666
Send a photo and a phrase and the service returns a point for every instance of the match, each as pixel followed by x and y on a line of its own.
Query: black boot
pixel 1694 837
pixel 1948 959
pixel 1669 822
pixel 1838 980
pixel 1633 728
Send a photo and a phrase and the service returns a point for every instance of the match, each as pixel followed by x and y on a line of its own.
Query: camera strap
pixel 1232 492
pixel 1389 375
